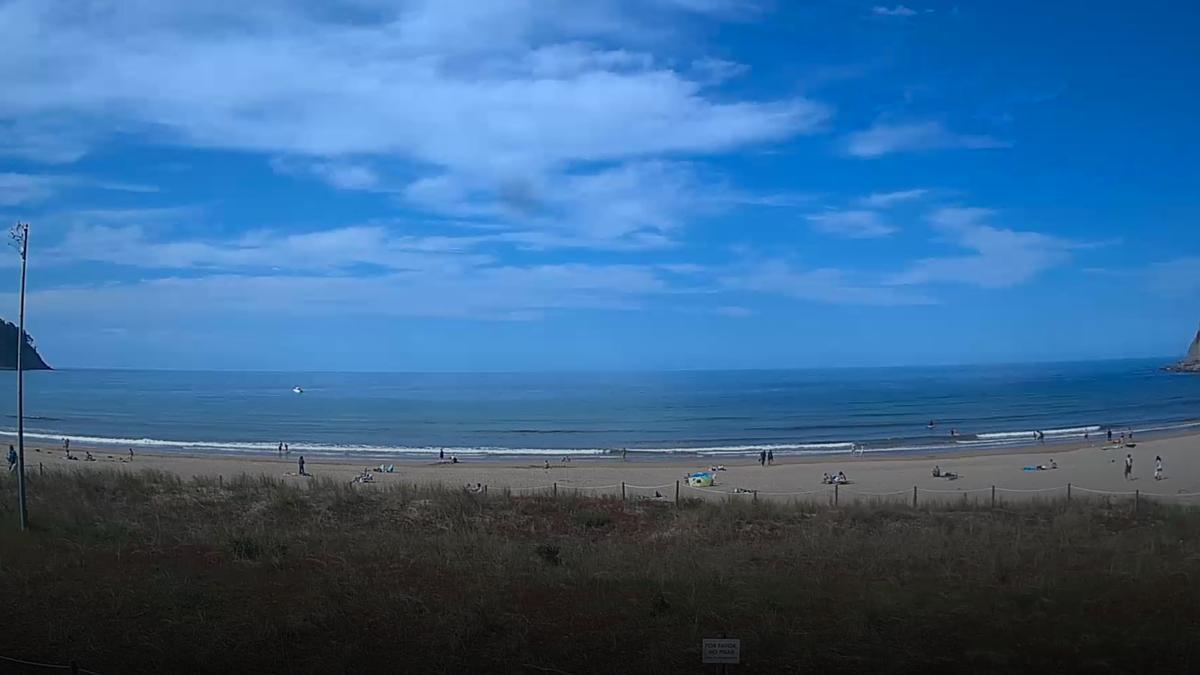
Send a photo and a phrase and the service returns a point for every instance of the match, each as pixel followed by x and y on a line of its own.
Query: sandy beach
pixel 1097 467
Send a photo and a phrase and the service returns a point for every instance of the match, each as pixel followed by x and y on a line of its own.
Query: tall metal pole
pixel 22 233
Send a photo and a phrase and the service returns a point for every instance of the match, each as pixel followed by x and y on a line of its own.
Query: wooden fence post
pixel 556 489
pixel 1137 498
pixel 622 490
pixel 914 496
pixel 993 496
pixel 755 496
pixel 835 494
pixel 676 493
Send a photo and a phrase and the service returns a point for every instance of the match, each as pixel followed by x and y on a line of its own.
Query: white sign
pixel 721 651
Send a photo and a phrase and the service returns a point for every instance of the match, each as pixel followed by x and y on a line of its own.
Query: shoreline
pixel 785 455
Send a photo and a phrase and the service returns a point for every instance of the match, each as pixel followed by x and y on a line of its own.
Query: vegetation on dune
pixel 146 572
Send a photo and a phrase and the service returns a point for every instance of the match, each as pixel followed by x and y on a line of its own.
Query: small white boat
pixel 297 390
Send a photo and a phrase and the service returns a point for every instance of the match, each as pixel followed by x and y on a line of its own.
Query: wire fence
pixel 840 493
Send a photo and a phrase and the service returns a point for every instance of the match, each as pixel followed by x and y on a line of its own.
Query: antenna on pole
pixel 20 241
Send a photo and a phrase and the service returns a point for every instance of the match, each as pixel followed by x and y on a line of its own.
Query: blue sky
pixel 478 185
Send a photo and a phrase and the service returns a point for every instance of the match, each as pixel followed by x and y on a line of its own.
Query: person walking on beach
pixel 1110 434
pixel 1128 465
pixel 441 453
pixel 770 457
pixel 1158 467
pixel 12 459
pixel 301 462
pixel 286 449
pixel 762 458
pixel 131 454
pixel 67 445
pixel 281 448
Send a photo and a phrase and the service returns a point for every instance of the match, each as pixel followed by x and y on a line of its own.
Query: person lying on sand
pixel 939 473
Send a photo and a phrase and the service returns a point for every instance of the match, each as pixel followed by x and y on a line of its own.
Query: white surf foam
pixel 1032 433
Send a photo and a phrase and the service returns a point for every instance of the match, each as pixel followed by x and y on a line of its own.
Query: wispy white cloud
pixel 898 10
pixel 1000 257
pixel 344 175
pixel 323 250
pixel 48 139
pixel 487 293
pixel 883 138
pixel 23 188
pixel 575 58
pixel 715 71
pixel 639 204
pixel 852 223
pixel 28 188
pixel 883 200
pixel 481 87
pixel 468 108
pixel 825 285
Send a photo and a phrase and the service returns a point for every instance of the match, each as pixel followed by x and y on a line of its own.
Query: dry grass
pixel 148 573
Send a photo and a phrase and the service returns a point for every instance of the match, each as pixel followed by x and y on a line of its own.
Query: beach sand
pixel 1086 468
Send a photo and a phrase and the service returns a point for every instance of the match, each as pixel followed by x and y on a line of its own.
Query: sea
pixel 598 415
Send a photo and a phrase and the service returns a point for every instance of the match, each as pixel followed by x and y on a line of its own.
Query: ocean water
pixel 706 413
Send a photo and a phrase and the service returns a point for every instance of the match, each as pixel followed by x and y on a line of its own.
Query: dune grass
pixel 145 572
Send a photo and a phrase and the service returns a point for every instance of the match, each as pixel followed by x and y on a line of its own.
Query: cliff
pixel 1191 362
pixel 30 359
